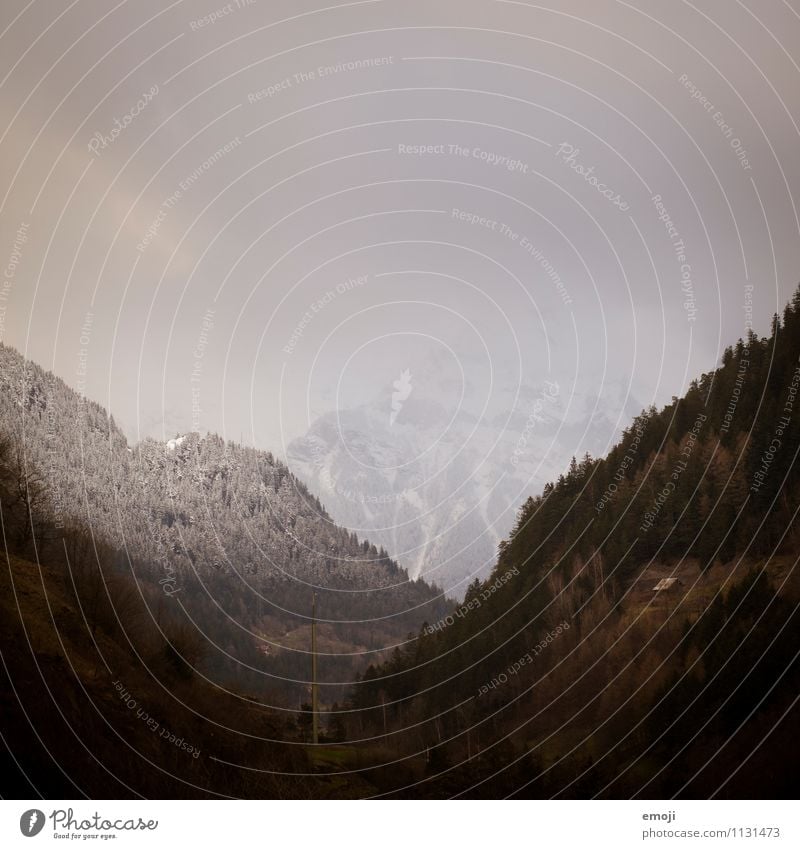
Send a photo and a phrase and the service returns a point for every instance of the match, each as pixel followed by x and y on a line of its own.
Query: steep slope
pixel 224 529
pixel 638 634
pixel 82 714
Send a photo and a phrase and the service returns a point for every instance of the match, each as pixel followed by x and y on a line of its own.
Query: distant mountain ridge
pixel 436 476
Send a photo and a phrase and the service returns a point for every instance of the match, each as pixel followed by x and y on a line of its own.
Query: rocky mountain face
pixel 435 468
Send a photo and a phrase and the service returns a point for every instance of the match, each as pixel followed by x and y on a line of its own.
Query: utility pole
pixel 314 690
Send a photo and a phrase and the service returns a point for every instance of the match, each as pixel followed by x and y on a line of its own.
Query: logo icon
pixel 403 389
pixel 31 822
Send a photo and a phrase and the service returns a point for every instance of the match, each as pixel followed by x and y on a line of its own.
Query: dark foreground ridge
pixel 638 635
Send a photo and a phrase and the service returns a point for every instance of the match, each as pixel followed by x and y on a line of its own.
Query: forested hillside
pixel 636 635
pixel 235 544
pixel 96 706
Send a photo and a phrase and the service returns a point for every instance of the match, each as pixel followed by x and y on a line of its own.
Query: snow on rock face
pixel 440 502
pixel 438 479
pixel 201 504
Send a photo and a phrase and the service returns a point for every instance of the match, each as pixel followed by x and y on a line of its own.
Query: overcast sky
pixel 234 218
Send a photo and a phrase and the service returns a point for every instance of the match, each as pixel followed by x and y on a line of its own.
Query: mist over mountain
pixel 435 465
